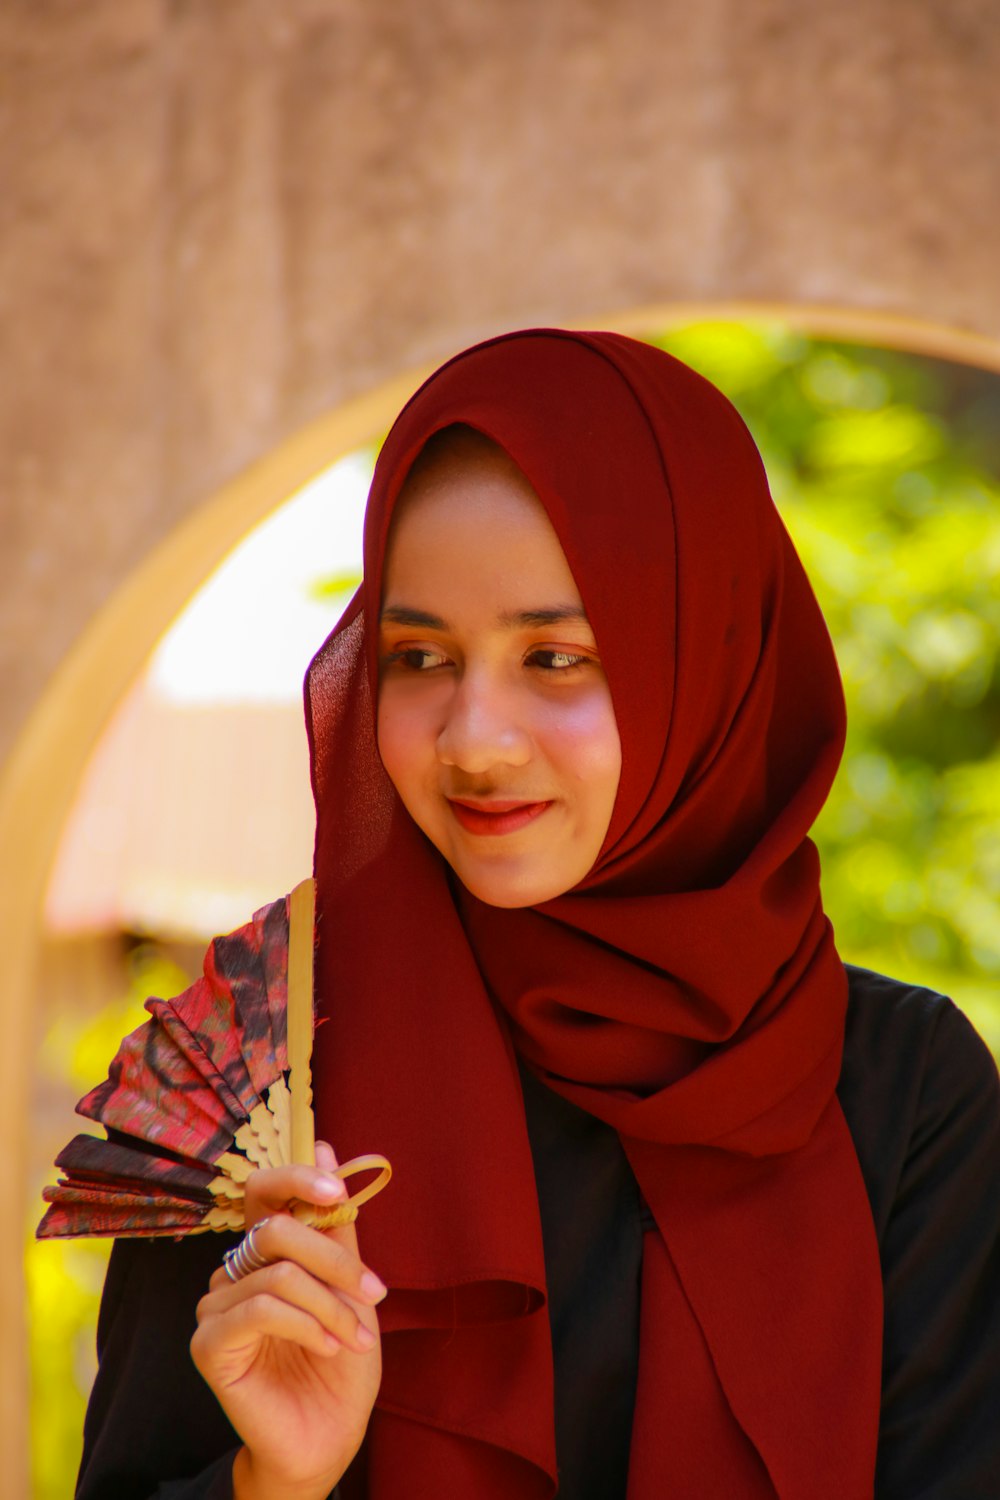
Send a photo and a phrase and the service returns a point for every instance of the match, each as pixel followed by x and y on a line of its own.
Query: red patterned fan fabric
pixel 194 1098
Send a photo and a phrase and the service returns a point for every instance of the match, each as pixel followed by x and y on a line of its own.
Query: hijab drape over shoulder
pixel 687 992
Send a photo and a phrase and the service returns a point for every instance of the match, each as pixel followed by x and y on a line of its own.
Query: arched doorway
pixel 41 777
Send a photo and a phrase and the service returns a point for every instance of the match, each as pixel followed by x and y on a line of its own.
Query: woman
pixel 681 1204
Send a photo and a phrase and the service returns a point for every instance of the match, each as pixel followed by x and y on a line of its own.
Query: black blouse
pixel 921 1096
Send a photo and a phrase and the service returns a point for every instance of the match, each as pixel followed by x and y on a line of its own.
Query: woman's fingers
pixel 289 1283
pixel 225 1344
pixel 344 1234
pixel 271 1190
pixel 325 1157
pixel 283 1238
pixel 317 1275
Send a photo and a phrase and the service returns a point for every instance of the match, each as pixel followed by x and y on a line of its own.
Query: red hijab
pixel 687 992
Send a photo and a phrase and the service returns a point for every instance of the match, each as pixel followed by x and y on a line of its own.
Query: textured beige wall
pixel 221 216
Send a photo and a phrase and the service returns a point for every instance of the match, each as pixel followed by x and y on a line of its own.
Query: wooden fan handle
pixel 301 944
pixel 301 941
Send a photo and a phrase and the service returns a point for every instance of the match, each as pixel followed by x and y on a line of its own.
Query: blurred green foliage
pixel 335 586
pixel 885 467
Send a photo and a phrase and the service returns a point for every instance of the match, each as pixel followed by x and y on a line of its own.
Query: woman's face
pixel 495 721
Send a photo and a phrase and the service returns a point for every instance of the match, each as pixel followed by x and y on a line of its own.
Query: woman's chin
pixel 511 877
pixel 508 889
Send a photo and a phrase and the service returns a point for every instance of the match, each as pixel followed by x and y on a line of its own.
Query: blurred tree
pixel 885 467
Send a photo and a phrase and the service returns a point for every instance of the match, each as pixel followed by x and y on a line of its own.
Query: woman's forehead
pixel 465 525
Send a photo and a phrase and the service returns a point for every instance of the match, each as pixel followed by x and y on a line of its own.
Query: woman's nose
pixel 482 729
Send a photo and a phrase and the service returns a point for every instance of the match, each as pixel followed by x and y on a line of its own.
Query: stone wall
pixel 223 216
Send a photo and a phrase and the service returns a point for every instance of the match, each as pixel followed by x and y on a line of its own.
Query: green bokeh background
pixel 885 467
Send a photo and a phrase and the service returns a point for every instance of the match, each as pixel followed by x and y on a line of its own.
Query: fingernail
pixel 366 1338
pixel 330 1188
pixel 372 1288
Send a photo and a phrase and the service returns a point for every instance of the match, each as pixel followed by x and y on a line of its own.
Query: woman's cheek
pixel 406 737
pixel 391 739
pixel 586 743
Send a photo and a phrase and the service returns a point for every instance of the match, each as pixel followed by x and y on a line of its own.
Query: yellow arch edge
pixel 40 777
pixel 963 346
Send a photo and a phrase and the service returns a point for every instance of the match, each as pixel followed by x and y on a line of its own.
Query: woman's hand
pixel 291 1351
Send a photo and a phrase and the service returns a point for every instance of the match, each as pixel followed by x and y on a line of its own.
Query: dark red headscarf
pixel 688 992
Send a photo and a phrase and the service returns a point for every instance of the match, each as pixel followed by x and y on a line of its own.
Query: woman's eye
pixel 414 659
pixel 557 661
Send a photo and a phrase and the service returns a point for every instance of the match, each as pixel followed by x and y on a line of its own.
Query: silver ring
pixel 245 1258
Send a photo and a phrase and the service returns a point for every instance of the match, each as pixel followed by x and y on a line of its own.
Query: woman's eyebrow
pixel 403 614
pixel 521 619
pixel 558 614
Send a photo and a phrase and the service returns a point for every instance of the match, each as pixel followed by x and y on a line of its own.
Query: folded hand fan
pixel 215 1084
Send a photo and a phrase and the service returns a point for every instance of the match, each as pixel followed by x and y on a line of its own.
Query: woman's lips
pixel 495 817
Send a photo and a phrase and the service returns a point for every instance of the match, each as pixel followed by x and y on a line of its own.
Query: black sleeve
pixel 153 1427
pixel 940 1243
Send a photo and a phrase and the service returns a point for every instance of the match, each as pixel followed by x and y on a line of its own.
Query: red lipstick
pixel 495 817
